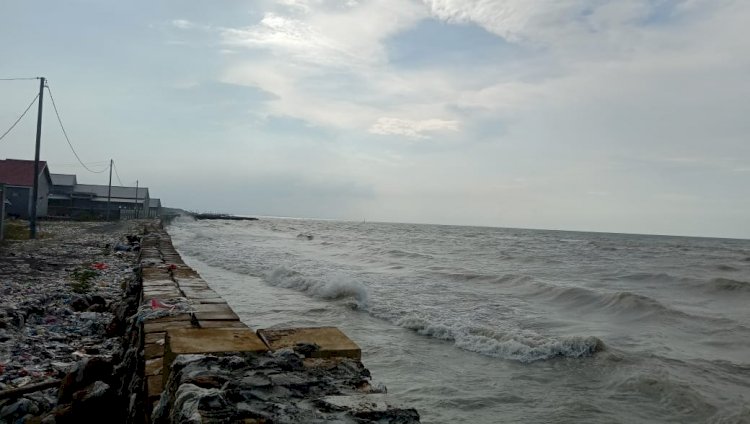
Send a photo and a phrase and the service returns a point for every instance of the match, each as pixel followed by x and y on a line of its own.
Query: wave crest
pixel 333 288
pixel 518 346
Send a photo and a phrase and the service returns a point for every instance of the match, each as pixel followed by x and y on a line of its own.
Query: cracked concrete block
pixel 330 341
pixel 209 341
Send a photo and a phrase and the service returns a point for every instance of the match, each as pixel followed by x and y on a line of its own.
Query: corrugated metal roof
pixel 63 179
pixel 117 191
pixel 118 200
pixel 20 172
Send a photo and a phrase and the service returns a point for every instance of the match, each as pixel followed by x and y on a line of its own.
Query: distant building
pixel 18 177
pixel 60 197
pixel 90 201
pixel 154 208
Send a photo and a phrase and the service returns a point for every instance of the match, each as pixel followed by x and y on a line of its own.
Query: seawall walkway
pixel 201 364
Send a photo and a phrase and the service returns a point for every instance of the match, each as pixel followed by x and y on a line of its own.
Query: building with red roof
pixel 18 177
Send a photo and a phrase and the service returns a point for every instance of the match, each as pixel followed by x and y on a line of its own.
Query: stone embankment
pixel 103 322
pixel 201 364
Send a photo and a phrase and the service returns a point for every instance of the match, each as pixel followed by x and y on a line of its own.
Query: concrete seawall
pixel 196 362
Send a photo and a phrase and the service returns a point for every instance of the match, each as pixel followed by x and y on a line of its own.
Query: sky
pixel 619 116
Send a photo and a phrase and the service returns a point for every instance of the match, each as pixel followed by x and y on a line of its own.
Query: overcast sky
pixel 624 116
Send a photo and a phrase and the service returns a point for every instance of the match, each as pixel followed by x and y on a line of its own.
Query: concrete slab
pixel 153 350
pixel 184 273
pixel 200 294
pixel 160 327
pixel 178 317
pixel 217 316
pixel 155 337
pixel 154 366
pixel 193 283
pixel 332 342
pixel 158 282
pixel 206 301
pixel 155 272
pixel 162 292
pixel 222 324
pixel 209 341
pixel 212 340
pixel 154 386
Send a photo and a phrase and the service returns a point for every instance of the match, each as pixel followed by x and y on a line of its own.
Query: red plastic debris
pixel 99 265
pixel 156 304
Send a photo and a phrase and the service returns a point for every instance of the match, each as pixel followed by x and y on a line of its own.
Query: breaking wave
pixel 332 288
pixel 518 346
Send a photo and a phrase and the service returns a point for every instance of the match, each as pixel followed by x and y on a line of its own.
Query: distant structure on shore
pixel 61 196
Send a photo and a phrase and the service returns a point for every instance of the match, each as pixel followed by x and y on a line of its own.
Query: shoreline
pixel 90 327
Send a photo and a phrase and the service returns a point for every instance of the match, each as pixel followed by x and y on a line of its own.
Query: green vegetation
pixel 16 230
pixel 83 280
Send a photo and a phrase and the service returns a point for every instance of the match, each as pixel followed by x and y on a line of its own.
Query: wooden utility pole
pixel 35 191
pixel 109 191
pixel 2 211
pixel 136 199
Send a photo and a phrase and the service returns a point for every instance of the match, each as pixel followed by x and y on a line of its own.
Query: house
pixel 90 201
pixel 60 196
pixel 18 177
pixel 154 208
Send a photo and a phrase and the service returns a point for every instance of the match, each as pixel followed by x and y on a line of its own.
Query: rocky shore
pixel 62 310
pixel 105 322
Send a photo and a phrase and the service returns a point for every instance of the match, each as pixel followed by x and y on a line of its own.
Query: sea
pixel 499 325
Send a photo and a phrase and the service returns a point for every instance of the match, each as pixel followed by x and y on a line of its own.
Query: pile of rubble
pixel 60 309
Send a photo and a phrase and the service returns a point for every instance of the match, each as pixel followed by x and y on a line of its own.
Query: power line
pixel 66 136
pixel 117 174
pixel 18 79
pixel 19 118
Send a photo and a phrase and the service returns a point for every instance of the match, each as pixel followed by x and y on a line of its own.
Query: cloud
pixel 292 38
pixel 183 24
pixel 412 128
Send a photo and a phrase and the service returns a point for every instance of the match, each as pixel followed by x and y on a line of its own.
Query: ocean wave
pixel 520 346
pixel 621 302
pixel 335 287
pixel 726 284
pixel 722 267
pixel 647 276
pixel 679 397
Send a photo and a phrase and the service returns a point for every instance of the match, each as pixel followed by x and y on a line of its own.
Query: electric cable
pixel 114 165
pixel 19 118
pixel 66 135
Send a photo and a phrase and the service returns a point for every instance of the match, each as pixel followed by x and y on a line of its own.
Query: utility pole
pixel 109 191
pixel 2 211
pixel 35 191
pixel 136 199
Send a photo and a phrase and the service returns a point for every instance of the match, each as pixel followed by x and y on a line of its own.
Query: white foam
pixel 517 345
pixel 334 287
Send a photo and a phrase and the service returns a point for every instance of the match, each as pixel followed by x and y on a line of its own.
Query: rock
pixel 306 349
pixel 98 300
pixel 18 409
pixel 87 372
pixel 96 307
pixel 95 391
pixel 79 303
